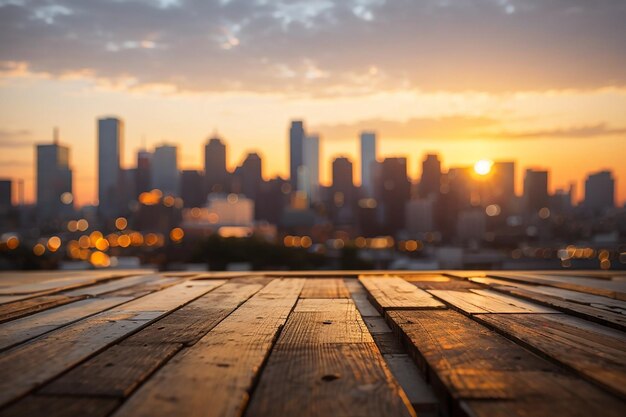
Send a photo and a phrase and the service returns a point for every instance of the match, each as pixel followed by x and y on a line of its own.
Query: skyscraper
pixel 430 182
pixel 395 193
pixel 368 159
pixel 535 190
pixel 6 196
pixel 54 179
pixel 250 173
pixel 110 143
pixel 215 172
pixel 143 174
pixel 296 151
pixel 502 184
pixel 342 191
pixel 311 181
pixel 192 188
pixel 165 175
pixel 600 191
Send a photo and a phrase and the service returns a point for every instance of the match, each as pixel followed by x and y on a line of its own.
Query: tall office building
pixel 143 174
pixel 310 181
pixel 430 182
pixel 600 191
pixel 6 195
pixel 343 177
pixel 165 175
pixel 192 188
pixel 215 172
pixel 110 144
pixel 296 151
pixel 368 161
pixel 395 192
pixel 501 189
pixel 250 174
pixel 54 179
pixel 535 190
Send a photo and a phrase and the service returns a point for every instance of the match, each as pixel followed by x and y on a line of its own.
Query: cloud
pixel 326 47
pixel 15 138
pixel 452 127
pixel 573 132
pixel 459 128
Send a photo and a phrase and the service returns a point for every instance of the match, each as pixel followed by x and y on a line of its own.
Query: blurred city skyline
pixel 535 82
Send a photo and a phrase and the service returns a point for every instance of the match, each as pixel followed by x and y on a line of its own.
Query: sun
pixel 483 167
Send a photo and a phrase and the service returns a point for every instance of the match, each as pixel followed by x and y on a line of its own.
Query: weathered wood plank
pixel 321 367
pixel 597 353
pixel 395 293
pixel 465 361
pixel 324 288
pixel 612 289
pixel 482 301
pixel 44 406
pixel 224 363
pixel 120 369
pixel 599 315
pixel 61 283
pixel 21 308
pixel 115 372
pixel 29 365
pixel 20 330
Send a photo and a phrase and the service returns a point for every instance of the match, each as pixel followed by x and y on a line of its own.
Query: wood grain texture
pixel 465 361
pixel 116 372
pixel 44 406
pixel 395 293
pixel 482 301
pixel 21 308
pixel 598 354
pixel 27 366
pixel 326 364
pixel 324 288
pixel 224 363
pixel 599 313
pixel 26 328
pixel 606 288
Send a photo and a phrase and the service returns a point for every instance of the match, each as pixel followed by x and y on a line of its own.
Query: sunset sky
pixel 541 82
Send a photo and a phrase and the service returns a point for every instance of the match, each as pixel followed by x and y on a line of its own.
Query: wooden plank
pixel 605 303
pixel 26 328
pixel 224 363
pixel 395 293
pixel 61 283
pixel 117 284
pixel 324 288
pixel 44 406
pixel 465 361
pixel 587 312
pixel 115 372
pixel 190 323
pixel 482 301
pixel 33 363
pixel 597 353
pixel 121 368
pixel 612 289
pixel 326 364
pixel 17 309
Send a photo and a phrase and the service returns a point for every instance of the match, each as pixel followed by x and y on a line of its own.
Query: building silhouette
pixel 249 175
pixel 395 192
pixel 110 146
pixel 215 172
pixel 143 173
pixel 430 182
pixel 310 181
pixel 296 151
pixel 599 191
pixel 191 188
pixel 165 175
pixel 6 195
pixel 54 179
pixel 535 191
pixel 368 162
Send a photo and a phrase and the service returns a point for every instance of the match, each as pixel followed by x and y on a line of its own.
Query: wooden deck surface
pixel 438 343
